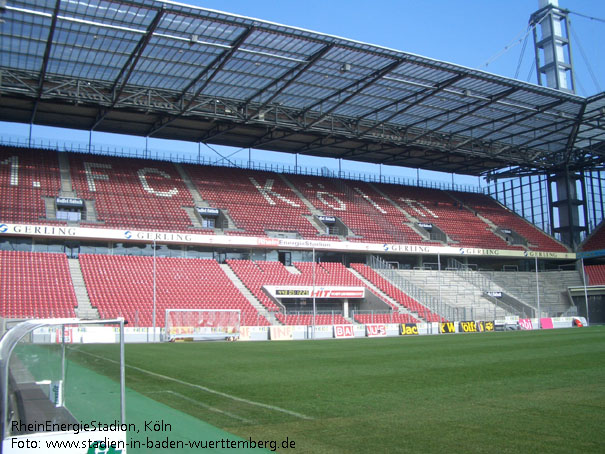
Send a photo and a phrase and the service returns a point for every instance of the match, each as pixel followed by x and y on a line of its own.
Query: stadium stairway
pixel 455 292
pixel 412 220
pixel 50 208
pixel 492 226
pixel 394 303
pixel 314 211
pixel 554 295
pixel 270 316
pixel 68 190
pixel 84 309
pixel 67 187
pixel 198 200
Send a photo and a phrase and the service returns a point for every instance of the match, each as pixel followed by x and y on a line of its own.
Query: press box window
pixel 330 224
pixel 207 216
pixel 208 223
pixel 69 209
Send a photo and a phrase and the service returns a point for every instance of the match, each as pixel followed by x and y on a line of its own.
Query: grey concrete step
pixel 262 310
pixel 84 309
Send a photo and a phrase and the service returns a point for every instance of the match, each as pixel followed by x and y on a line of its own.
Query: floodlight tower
pixel 554 66
pixel 551 44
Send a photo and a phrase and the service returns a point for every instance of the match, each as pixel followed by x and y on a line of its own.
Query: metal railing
pixel 487 286
pixel 432 303
pixel 199 159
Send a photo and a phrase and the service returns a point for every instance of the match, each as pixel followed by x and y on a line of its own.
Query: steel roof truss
pixel 424 94
pixel 365 82
pixel 218 63
pixel 479 104
pixel 506 125
pixel 569 147
pixel 128 68
pixel 291 75
pixel 45 59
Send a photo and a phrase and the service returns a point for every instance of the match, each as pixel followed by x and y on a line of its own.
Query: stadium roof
pixel 169 70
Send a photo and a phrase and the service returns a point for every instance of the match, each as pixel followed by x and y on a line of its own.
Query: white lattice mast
pixel 554 61
pixel 554 65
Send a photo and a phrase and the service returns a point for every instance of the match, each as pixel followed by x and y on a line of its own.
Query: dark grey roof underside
pixel 168 70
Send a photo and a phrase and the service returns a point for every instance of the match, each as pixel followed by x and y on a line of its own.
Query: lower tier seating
pixel 595 274
pixel 596 240
pixel 35 285
pixel 322 319
pixel 123 286
pixel 255 275
pixel 396 293
pixel 394 317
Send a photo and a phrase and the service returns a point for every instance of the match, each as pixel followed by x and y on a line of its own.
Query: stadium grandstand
pixel 96 234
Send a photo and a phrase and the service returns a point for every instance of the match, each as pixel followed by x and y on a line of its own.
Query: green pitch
pixel 492 392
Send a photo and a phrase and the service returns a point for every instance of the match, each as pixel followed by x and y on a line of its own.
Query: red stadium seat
pixel 35 285
pixel 123 286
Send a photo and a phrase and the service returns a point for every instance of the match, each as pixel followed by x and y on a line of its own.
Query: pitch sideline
pixel 205 388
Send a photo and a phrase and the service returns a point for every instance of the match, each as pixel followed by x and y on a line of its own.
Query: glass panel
pixel 48 388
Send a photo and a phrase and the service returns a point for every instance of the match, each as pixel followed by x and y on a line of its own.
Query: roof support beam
pixel 365 82
pixel 43 69
pixel 134 57
pixel 211 71
pixel 539 110
pixel 424 95
pixel 527 142
pixel 574 134
pixel 293 74
pixel 557 126
pixel 479 104
pixel 128 68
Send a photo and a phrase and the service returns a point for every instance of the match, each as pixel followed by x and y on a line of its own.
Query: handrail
pixel 486 286
pixel 433 304
pixel 191 158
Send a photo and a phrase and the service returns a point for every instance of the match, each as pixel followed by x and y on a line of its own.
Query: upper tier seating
pixel 395 293
pixel 26 176
pixel 367 213
pixel 596 241
pixel 123 286
pixel 436 207
pixel 35 285
pixel 492 210
pixel 256 201
pixel 133 193
pixel 151 195
pixel 595 274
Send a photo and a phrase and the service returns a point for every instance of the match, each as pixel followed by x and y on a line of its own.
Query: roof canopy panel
pixel 173 71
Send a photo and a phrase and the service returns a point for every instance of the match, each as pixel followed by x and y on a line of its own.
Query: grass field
pixel 494 392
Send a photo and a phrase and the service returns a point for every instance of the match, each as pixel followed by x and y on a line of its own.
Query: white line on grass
pixel 203 405
pixel 204 388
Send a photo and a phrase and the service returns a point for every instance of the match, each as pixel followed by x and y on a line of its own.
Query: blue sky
pixel 481 34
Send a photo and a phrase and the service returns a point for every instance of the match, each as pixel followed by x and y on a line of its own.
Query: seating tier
pixel 35 285
pixel 123 286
